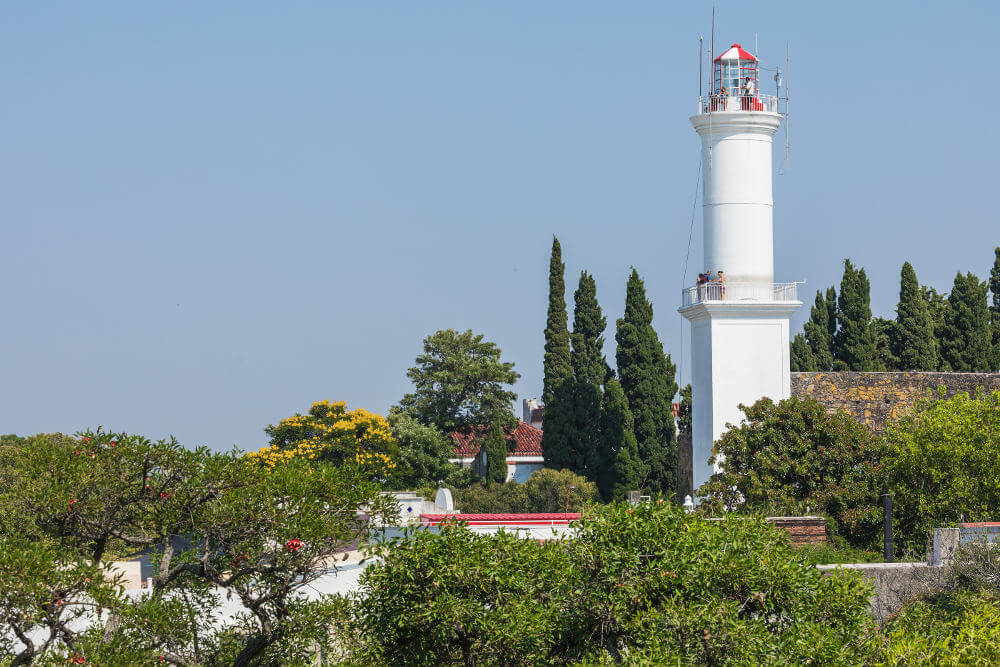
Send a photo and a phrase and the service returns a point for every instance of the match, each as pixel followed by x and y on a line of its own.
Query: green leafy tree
pixel 495 447
pixel 943 465
pixel 802 359
pixel 792 456
pixel 460 382
pixel 854 344
pixel 967 338
pixel 995 310
pixel 557 364
pixel 913 343
pixel 622 470
pixel 424 453
pixel 819 331
pixel 643 584
pixel 262 534
pixel 570 438
pixel 647 377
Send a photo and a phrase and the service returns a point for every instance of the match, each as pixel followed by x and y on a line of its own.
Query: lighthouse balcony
pixel 722 102
pixel 736 292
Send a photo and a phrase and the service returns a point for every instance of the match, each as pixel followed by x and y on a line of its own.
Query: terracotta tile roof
pixel 676 409
pixel 525 440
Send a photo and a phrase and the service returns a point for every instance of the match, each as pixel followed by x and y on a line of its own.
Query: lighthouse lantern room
pixel 738 314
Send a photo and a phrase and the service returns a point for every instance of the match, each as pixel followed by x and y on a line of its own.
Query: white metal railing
pixel 736 292
pixel 720 102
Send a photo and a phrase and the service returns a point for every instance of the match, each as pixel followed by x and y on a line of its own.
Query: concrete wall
pixel 897 583
pixel 876 398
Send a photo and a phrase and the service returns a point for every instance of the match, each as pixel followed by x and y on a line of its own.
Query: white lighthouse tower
pixel 739 316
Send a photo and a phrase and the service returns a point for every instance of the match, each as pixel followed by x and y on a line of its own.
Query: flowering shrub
pixel 330 433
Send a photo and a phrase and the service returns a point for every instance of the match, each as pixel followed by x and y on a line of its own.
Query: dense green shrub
pixel 793 458
pixel 546 490
pixel 957 628
pixel 640 584
pixel 944 465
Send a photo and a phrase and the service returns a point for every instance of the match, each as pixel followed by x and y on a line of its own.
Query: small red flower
pixel 72 502
pixel 164 495
pixel 86 439
pixel 293 545
pixel 112 443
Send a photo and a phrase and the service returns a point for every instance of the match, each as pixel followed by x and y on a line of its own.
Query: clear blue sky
pixel 214 214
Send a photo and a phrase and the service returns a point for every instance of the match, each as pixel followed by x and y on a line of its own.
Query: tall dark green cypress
pixel 621 468
pixel 937 307
pixel 557 366
pixel 496 454
pixel 818 334
pixel 913 341
pixel 967 338
pixel 802 359
pixel 648 378
pixel 854 345
pixel 831 315
pixel 570 436
pixel 995 310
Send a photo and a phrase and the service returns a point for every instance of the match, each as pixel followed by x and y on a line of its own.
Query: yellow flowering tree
pixel 329 432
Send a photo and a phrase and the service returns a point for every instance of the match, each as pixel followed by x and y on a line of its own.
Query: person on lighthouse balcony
pixel 748 87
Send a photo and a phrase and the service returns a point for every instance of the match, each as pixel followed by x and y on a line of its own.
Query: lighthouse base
pixel 740 354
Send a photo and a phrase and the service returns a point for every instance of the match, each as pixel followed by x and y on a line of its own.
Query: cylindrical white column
pixel 737 199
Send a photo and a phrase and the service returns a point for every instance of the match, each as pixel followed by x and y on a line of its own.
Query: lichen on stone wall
pixel 874 399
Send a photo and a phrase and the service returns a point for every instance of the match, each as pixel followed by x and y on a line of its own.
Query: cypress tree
pixel 831 317
pixel 937 306
pixel 647 377
pixel 967 338
pixel 913 341
pixel 995 310
pixel 496 454
pixel 884 332
pixel 570 437
pixel 557 353
pixel 621 469
pixel 854 344
pixel 818 334
pixel 802 359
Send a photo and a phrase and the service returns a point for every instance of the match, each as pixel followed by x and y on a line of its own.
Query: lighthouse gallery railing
pixel 738 102
pixel 739 292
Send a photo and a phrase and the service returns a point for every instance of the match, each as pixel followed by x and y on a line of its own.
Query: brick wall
pixel 802 529
pixel 875 398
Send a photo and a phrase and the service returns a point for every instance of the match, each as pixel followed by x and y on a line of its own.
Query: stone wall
pixel 875 398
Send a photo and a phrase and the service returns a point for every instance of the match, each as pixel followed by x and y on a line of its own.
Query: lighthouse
pixel 738 313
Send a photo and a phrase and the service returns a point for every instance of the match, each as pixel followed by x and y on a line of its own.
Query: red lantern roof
pixel 736 52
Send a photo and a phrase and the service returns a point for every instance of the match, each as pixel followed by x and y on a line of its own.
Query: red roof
pixel 525 440
pixel 736 51
pixel 539 519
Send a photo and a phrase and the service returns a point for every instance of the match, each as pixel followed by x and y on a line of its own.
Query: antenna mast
pixel 701 76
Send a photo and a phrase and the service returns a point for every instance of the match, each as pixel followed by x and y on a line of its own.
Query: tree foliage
pixel 623 470
pixel 801 356
pixel 943 465
pixel 966 341
pixel 819 331
pixel 423 455
pixel 328 432
pixel 495 447
pixel 995 310
pixel 647 376
pixel 644 584
pixel 546 490
pixel 460 382
pixel 570 439
pixel 556 365
pixel 259 535
pixel 793 457
pixel 854 344
pixel 914 344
